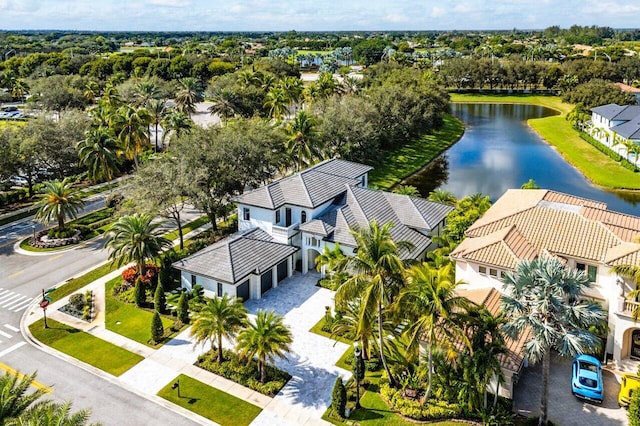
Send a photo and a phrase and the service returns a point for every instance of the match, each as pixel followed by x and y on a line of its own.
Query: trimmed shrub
pixel 159 299
pixel 139 293
pixel 183 308
pixel 58 233
pixel 157 329
pixel 86 312
pixel 339 397
pixel 634 409
pixel 77 301
pixel 431 410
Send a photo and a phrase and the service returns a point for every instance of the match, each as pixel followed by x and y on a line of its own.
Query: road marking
pixel 12 328
pixel 34 383
pixel 15 274
pixel 3 292
pixel 10 300
pixel 9 295
pixel 12 348
pixel 58 256
pixel 7 335
pixel 17 302
pixel 23 305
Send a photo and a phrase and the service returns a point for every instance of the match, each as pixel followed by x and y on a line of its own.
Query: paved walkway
pixel 311 362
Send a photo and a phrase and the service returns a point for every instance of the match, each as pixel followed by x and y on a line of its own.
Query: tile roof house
pixel 286 224
pixel 611 124
pixel 582 233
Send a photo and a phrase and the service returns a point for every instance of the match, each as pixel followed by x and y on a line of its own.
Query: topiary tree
pixel 159 299
pixel 183 308
pixel 139 293
pixel 339 397
pixel 634 409
pixel 157 329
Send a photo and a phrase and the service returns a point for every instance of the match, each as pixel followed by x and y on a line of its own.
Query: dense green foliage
pixel 339 397
pixel 157 329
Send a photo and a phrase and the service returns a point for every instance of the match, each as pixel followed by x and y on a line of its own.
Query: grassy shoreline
pixel 595 166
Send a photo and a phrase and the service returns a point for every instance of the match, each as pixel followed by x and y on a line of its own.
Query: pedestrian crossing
pixel 12 301
pixel 7 344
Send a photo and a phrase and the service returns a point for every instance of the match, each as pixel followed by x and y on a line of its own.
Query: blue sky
pixel 313 15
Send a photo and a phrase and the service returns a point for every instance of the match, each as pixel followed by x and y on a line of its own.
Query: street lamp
pixel 176 385
pixel 33 228
pixel 358 372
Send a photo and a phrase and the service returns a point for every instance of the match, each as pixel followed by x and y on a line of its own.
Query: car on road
pixel 586 378
pixel 630 383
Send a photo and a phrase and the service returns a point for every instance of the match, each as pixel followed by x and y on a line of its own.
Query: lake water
pixel 499 151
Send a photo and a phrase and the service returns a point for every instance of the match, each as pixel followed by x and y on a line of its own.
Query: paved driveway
pixel 564 408
pixel 312 359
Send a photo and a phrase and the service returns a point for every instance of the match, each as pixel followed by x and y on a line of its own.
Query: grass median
pixel 85 347
pixel 209 402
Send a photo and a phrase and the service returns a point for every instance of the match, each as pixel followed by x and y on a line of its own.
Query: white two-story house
pixel 582 233
pixel 612 124
pixel 283 226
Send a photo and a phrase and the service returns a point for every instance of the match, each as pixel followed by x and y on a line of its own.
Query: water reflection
pixel 499 151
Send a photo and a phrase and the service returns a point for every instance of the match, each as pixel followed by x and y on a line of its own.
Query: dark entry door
pixel 287 218
pixel 282 270
pixel 635 344
pixel 242 291
pixel 266 281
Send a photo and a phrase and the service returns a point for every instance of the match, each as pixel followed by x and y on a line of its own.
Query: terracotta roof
pixel 627 88
pixel 562 224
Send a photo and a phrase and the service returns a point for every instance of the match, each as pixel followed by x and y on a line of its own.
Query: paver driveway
pixel 564 408
pixel 312 359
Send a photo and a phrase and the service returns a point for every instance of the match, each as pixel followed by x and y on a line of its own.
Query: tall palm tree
pixel 98 153
pixel 189 94
pixel 176 123
pixel 225 104
pixel 14 396
pixel 49 413
pixel 265 338
pixel 145 91
pixel 543 296
pixel 135 238
pixel 377 269
pixel 356 324
pixel 58 200
pixel 157 110
pixel 442 196
pixel 20 89
pixel 292 87
pixel 276 102
pixel 434 312
pixel 302 143
pixel 219 317
pixel 131 127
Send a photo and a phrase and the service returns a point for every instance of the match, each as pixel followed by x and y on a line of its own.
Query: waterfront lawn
pixel 130 321
pixel 599 168
pixel 408 159
pixel 85 347
pixel 210 402
pixel 553 102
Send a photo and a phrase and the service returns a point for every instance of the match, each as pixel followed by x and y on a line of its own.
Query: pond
pixel 499 151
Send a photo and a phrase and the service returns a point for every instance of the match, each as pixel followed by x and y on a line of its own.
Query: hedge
pixel 608 151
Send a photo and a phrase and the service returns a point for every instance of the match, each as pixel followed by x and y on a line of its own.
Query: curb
pixel 19 250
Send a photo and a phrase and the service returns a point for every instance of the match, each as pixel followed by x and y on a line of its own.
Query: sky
pixel 313 15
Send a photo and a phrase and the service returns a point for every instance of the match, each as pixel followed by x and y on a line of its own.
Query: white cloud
pixel 169 3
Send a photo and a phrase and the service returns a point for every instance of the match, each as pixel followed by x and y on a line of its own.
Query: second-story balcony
pixel 627 307
pixel 283 233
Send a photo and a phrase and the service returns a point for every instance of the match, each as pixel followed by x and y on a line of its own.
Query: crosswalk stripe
pixel 9 301
pixel 17 302
pixel 8 294
pixel 12 348
pixel 12 328
pixel 7 335
pixel 22 306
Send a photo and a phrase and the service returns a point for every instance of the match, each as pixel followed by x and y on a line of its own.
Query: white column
pixel 290 266
pixel 305 260
pixel 274 276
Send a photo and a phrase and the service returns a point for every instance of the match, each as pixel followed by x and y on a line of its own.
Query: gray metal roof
pixel 607 111
pixel 618 112
pixel 234 258
pixel 309 188
pixel 630 129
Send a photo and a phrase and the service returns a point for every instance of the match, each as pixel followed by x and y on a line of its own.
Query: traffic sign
pixel 50 290
pixel 44 303
pixel 48 299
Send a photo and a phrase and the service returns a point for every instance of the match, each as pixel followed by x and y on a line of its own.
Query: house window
pixel 503 274
pixel 303 217
pixel 193 280
pixel 287 217
pixel 590 270
pixel 219 289
pixel 277 217
pixel 493 272
pixel 482 270
pixel 246 213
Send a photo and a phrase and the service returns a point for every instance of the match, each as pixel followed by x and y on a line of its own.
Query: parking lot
pixel 564 408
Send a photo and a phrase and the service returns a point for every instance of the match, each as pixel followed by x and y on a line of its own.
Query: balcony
pixel 627 307
pixel 282 234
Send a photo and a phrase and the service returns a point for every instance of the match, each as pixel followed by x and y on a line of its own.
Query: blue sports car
pixel 586 378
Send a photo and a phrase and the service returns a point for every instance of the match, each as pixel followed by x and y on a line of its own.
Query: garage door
pixel 282 270
pixel 242 290
pixel 266 281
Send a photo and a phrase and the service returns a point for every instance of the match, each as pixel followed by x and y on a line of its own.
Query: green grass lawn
pixel 414 155
pixel 81 281
pixel 173 235
pixel 209 402
pixel 317 329
pixel 85 347
pixel 553 102
pixel 128 320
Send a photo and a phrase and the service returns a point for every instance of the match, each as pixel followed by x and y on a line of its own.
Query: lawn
pixel 317 329
pixel 75 284
pixel 209 402
pixel 173 235
pixel 128 320
pixel 414 155
pixel 85 347
pixel 553 102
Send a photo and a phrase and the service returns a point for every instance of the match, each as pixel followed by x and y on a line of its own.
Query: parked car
pixel 630 383
pixel 586 378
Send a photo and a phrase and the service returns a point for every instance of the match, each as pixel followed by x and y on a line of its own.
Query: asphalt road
pixel 22 280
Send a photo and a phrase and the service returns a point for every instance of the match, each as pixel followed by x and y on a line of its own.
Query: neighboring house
pixel 613 124
pixel 286 224
pixel 582 233
pixel 630 89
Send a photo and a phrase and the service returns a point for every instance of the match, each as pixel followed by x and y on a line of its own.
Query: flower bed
pixel 43 241
pixel 243 373
pixel 431 410
pixel 80 306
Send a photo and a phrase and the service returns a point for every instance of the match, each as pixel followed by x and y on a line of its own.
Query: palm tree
pixel 442 196
pixel 145 91
pixel 98 153
pixel 543 297
pixel 410 190
pixel 292 87
pixel 188 95
pixel 157 110
pixel 265 338
pixel 131 127
pixel 219 317
pixel 302 143
pixel 356 324
pixel 58 200
pixel 225 104
pixel 276 102
pixel 19 89
pixel 135 239
pixel 176 123
pixel 14 398
pixel 632 272
pixel 49 413
pixel 433 310
pixel 377 269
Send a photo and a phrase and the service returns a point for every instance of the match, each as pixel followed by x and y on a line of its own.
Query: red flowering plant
pixel 150 277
